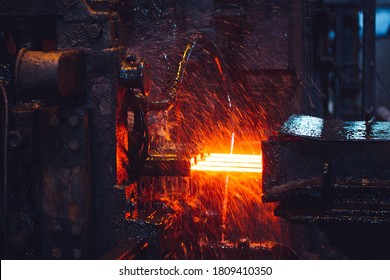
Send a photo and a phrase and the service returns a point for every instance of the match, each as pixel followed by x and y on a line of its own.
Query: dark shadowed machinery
pixel 262 136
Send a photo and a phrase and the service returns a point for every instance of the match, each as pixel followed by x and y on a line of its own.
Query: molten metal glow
pixel 229 163
pixel 122 139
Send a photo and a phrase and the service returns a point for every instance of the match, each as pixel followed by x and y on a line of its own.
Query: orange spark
pixel 216 59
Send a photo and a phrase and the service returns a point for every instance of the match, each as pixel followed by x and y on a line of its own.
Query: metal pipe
pixel 5 169
pixel 368 102
pixel 169 101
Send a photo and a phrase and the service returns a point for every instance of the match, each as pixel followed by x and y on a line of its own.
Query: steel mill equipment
pixel 184 129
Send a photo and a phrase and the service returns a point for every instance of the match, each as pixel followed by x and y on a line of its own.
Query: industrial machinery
pixel 62 58
pixel 331 169
pixel 145 130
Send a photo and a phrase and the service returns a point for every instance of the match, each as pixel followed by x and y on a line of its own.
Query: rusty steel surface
pixel 40 73
pixel 55 33
pixel 66 217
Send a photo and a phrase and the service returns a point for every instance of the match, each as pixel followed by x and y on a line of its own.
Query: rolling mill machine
pixel 259 137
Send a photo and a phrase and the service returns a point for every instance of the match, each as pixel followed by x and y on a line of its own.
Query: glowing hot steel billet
pixel 230 163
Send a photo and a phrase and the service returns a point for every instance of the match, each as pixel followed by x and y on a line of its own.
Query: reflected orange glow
pixel 122 139
pixel 221 200
pixel 217 162
pixel 121 154
pixel 228 195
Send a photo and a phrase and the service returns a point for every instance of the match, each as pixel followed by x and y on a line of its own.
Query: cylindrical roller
pixel 43 74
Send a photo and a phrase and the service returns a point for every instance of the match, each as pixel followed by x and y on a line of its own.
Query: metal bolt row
pixel 57 253
pixel 73 120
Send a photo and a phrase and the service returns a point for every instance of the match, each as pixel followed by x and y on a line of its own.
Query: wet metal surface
pixel 332 130
pixel 329 171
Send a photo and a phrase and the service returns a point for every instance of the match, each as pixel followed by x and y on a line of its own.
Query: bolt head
pixel 74 145
pixel 56 252
pixel 74 120
pixel 76 230
pixel 77 253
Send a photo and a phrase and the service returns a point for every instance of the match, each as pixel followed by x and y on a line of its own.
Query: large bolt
pixel 76 230
pixel 94 31
pixel 56 252
pixel 77 254
pixel 56 229
pixel 74 145
pixel 74 120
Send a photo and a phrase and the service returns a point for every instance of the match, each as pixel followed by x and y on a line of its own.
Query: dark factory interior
pixel 195 129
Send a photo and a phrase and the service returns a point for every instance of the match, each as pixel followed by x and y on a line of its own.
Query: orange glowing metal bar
pixel 226 169
pixel 234 158
pixel 229 163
